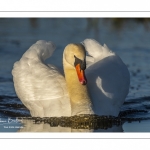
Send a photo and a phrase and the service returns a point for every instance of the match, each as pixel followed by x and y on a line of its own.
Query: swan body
pixel 41 87
pixel 45 91
pixel 108 76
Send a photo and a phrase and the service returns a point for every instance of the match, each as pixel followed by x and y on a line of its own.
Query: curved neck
pixel 79 98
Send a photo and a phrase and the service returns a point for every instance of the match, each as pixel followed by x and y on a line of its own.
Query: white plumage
pixel 42 88
pixel 108 79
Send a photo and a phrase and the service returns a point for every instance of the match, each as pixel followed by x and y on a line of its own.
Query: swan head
pixel 74 55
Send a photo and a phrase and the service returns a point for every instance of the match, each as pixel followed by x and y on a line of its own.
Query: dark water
pixel 130 42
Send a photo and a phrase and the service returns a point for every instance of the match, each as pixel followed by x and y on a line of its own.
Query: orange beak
pixel 81 75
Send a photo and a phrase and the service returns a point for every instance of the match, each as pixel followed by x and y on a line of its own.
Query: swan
pixel 95 80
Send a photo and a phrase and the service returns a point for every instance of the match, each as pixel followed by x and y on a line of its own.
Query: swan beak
pixel 81 75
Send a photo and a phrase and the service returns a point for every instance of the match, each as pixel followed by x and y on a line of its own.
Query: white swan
pixel 45 91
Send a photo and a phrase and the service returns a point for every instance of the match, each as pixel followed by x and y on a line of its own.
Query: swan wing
pixel 108 78
pixel 41 87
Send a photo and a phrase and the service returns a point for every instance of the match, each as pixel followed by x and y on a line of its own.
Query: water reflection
pixel 85 123
pixel 72 124
pixel 33 22
pixel 30 126
pixel 120 23
pixel 93 24
pixel 14 117
pixel 82 123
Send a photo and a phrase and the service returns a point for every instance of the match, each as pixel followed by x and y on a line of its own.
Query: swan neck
pixel 79 97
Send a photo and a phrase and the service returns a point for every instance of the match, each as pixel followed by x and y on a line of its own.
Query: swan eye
pixel 79 61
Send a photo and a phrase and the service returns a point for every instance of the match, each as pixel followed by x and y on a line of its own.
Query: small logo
pixel 3 121
pixel 10 120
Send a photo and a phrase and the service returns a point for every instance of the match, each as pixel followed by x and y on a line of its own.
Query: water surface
pixel 130 42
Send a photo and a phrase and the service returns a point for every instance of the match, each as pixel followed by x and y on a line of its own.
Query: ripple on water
pixel 132 110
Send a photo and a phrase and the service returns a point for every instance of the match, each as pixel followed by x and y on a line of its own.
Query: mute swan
pixel 45 92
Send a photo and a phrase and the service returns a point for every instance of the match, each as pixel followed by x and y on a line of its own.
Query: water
pixel 130 42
